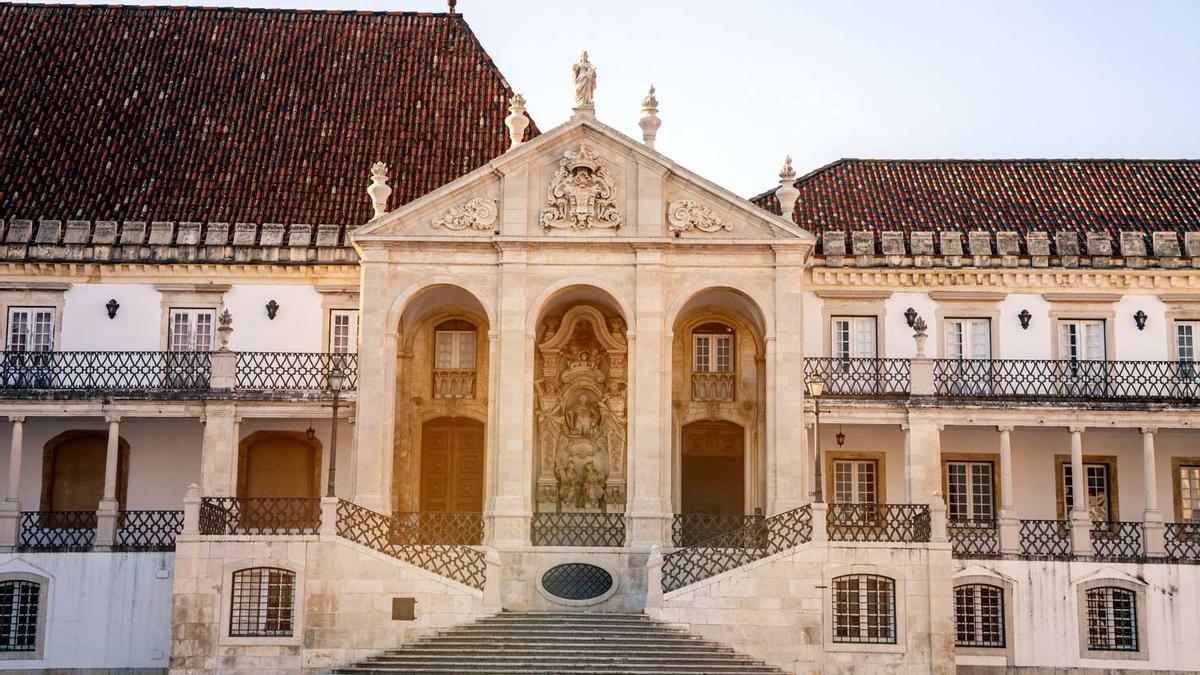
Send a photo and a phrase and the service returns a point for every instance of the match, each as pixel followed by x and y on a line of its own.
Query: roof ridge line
pixel 219 8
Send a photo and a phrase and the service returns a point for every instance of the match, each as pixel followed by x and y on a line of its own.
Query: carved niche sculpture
pixel 580 410
pixel 685 214
pixel 477 214
pixel 581 194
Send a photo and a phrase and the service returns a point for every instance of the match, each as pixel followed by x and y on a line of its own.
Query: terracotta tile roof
pixel 998 195
pixel 236 115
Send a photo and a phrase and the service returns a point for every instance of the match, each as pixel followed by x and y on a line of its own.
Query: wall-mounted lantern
pixel 910 315
pixel 112 306
pixel 840 437
pixel 272 309
pixel 1140 319
pixel 1025 318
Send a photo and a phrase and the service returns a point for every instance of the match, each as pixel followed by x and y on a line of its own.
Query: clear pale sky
pixel 742 83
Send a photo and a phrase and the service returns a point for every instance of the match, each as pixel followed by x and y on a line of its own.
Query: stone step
pixel 632 659
pixel 485 649
pixel 607 670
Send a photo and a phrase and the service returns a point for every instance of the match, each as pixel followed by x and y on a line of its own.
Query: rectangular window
pixel 19 616
pixel 343 331
pixel 864 609
pixel 1112 620
pixel 263 603
pixel 712 353
pixel 1081 339
pixel 979 616
pixel 1185 347
pixel 969 491
pixel 968 338
pixel 455 349
pixel 30 329
pixel 1189 493
pixel 1097 483
pixel 191 330
pixel 853 337
pixel 855 481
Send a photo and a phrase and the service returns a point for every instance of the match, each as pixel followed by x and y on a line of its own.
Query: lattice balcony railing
pixel 860 377
pixel 57 531
pixel 1048 380
pixel 1046 538
pixel 437 527
pixel 375 531
pixel 294 371
pixel 578 529
pixel 453 383
pixel 713 386
pixel 259 516
pixel 689 529
pixel 728 551
pixel 1119 540
pixel 105 371
pixel 975 537
pixel 147 530
pixel 1182 540
pixel 879 522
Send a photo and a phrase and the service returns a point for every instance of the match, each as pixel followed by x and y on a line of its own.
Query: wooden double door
pixel 452 465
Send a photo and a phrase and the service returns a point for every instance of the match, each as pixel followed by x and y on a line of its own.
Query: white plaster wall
pixel 897 334
pixel 86 326
pixel 105 610
pixel 297 326
pixel 1149 344
pixel 1014 342
pixel 1045 612
pixel 320 425
pixel 813 331
pixel 869 438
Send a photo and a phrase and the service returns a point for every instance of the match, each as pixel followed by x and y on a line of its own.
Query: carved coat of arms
pixel 581 194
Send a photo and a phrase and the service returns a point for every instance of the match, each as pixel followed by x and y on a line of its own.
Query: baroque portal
pixel 580 391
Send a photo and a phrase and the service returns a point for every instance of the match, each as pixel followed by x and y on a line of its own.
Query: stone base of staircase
pixel 541 643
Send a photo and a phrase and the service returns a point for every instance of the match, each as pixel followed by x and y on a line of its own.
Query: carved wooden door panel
pixel 452 466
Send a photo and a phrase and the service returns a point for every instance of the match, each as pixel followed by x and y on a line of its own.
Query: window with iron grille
pixel 1112 620
pixel 263 603
pixel 979 616
pixel 19 615
pixel 864 609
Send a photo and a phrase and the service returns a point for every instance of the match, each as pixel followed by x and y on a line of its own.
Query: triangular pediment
pixel 587 181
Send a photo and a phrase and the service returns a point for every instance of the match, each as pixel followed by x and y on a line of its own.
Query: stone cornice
pixel 1012 280
pixel 90 272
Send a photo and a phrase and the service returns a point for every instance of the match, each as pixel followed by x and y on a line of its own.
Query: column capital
pixel 112 419
pixel 1076 428
pixel 1149 430
pixel 16 419
pixel 1004 427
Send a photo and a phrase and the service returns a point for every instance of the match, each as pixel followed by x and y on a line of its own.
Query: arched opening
pixel 73 471
pixel 452 465
pixel 713 468
pixel 441 403
pixel 279 464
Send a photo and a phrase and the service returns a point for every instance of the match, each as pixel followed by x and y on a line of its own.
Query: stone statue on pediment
pixel 585 82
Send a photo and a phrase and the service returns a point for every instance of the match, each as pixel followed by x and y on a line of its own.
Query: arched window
pixel 864 609
pixel 454 359
pixel 1112 623
pixel 979 615
pixel 263 603
pixel 712 362
pixel 20 613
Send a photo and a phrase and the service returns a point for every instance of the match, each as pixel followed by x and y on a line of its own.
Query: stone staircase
pixel 533 643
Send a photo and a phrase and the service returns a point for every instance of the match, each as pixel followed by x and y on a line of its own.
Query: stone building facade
pixel 557 371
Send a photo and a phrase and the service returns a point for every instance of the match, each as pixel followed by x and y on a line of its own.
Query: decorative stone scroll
pixel 581 194
pixel 580 408
pixel 684 215
pixel 476 214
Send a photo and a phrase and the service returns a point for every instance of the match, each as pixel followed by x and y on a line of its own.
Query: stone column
pixel 1152 518
pixel 106 516
pixel 375 402
pixel 219 451
pixel 1009 523
pixel 786 387
pixel 924 460
pixel 10 508
pixel 1081 526
pixel 649 496
pixel 512 503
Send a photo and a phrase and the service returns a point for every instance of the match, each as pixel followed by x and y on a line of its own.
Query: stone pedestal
pixel 106 524
pixel 10 523
pixel 1010 532
pixel 1156 545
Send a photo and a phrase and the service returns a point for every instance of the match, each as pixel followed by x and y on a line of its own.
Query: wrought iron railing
pixel 731 550
pixel 453 383
pixel 260 515
pixel 105 371
pixel 1046 538
pixel 879 522
pixel 974 537
pixel 689 529
pixel 147 530
pixel 57 531
pixel 1068 379
pixel 860 377
pixel 294 371
pixel 375 531
pixel 1182 540
pixel 1120 540
pixel 713 386
pixel 578 529
pixel 437 527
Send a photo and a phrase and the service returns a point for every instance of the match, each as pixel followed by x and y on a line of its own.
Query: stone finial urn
pixel 379 190
pixel 650 122
pixel 786 193
pixel 517 121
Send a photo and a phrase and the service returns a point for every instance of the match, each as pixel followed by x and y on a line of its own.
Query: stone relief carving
pixel 685 214
pixel 581 194
pixel 580 412
pixel 476 214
